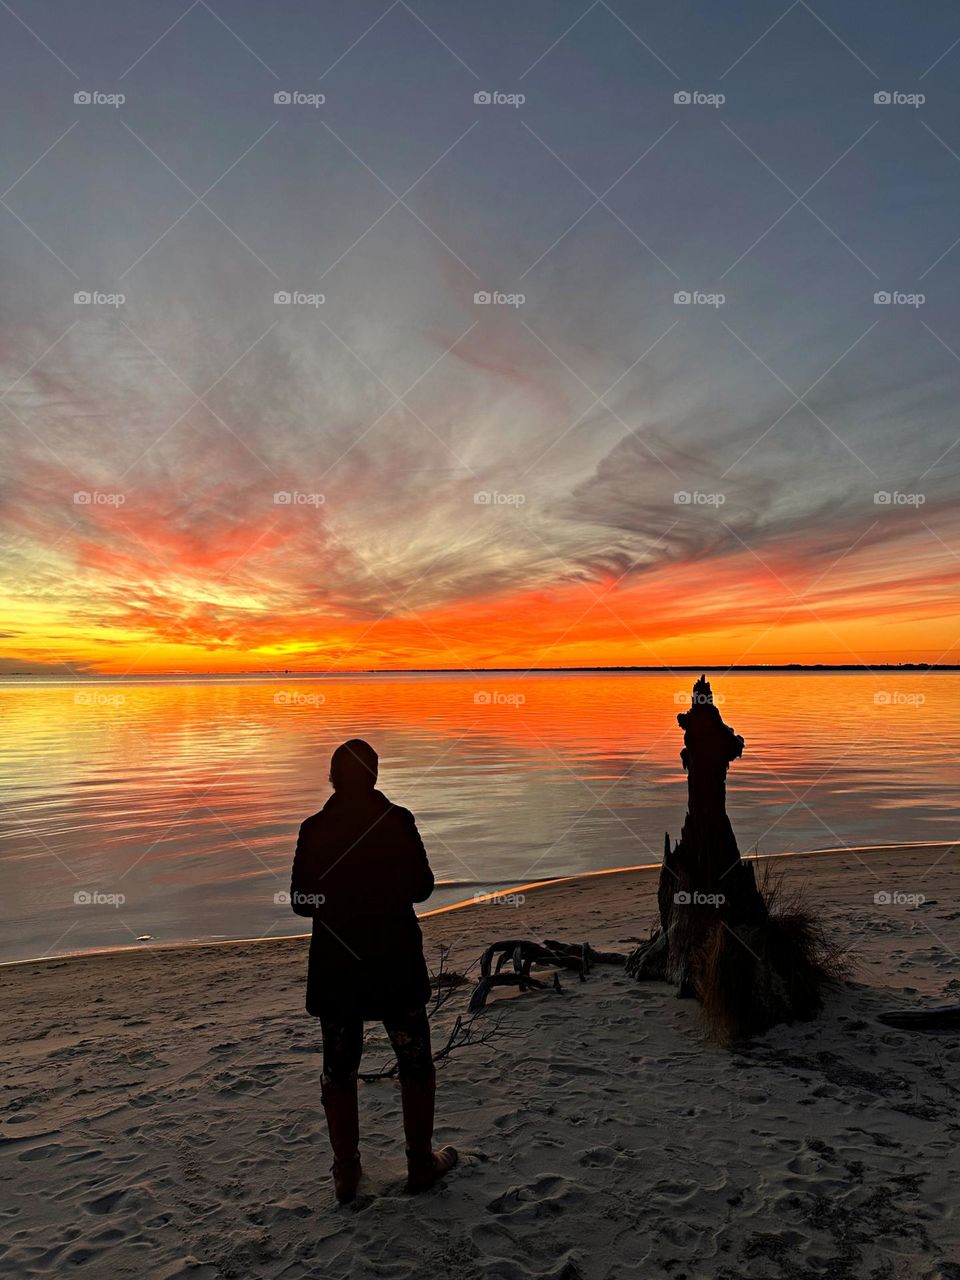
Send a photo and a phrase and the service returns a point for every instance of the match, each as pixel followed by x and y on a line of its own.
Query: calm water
pixel 185 797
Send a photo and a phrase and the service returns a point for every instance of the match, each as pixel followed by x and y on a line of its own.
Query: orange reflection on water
pixel 185 796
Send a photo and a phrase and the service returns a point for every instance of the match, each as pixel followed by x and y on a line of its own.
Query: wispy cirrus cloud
pixel 663 478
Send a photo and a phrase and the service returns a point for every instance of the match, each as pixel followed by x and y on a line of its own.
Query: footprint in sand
pixel 546 1196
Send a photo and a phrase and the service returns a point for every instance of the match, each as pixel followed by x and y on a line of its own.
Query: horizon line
pixel 719 668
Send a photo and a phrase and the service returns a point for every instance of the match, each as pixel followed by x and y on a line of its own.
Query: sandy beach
pixel 162 1112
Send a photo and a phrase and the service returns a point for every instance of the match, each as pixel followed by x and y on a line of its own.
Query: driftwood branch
pixel 468 1030
pixel 943 1018
pixel 578 958
pixel 465 1033
pixel 446 982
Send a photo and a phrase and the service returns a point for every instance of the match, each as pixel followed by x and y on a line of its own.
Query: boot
pixel 424 1165
pixel 340 1104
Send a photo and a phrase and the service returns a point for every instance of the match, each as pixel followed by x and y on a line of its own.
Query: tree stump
pixel 704 881
pixel 718 939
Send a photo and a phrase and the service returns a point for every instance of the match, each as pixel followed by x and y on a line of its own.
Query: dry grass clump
pixel 750 978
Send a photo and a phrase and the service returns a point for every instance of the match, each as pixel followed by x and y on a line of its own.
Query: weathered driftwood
pixel 523 954
pixel 524 981
pixel 577 958
pixel 588 954
pixel 943 1018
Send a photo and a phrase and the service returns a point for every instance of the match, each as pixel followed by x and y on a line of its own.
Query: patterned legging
pixel 409 1035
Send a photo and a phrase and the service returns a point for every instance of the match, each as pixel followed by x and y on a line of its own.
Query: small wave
pixel 494 880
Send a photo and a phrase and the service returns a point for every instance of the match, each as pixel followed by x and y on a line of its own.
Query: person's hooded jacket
pixel 359 867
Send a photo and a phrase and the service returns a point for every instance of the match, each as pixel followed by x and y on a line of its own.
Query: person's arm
pixel 304 894
pixel 418 875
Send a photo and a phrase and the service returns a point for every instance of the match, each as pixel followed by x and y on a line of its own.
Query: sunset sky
pixel 597 475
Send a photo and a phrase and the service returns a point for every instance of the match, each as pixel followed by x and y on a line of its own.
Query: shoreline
pixel 477 900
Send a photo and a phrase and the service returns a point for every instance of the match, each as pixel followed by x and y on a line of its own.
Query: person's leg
pixel 410 1036
pixel 342 1047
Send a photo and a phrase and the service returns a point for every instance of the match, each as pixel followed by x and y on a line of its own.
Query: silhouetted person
pixel 359 867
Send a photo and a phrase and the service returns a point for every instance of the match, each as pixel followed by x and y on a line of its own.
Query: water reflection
pixel 184 797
